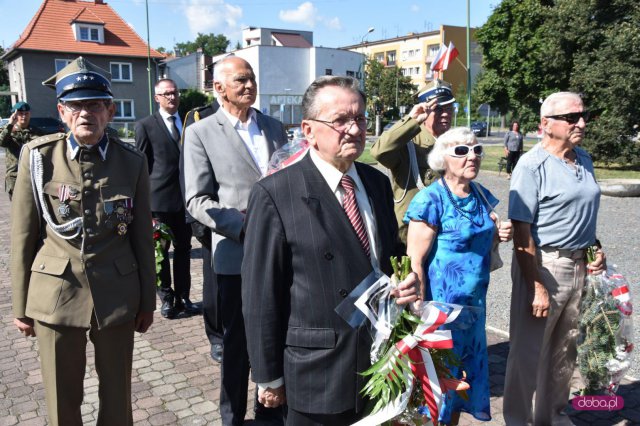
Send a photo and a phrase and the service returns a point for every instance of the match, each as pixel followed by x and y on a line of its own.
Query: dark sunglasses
pixel 464 150
pixel 571 117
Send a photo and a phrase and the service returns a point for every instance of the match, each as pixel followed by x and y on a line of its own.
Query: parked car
pixel 46 125
pixel 479 128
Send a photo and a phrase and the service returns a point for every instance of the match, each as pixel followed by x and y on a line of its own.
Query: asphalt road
pixel 618 221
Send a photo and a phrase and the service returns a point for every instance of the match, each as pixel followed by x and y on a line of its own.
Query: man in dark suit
pixel 314 231
pixel 224 155
pixel 158 137
pixel 211 314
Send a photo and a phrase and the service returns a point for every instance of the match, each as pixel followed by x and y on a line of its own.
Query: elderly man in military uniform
pixel 404 148
pixel 15 134
pixel 82 259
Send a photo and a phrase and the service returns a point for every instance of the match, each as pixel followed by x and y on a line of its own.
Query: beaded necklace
pixel 465 213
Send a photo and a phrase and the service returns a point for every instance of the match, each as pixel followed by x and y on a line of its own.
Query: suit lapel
pixel 165 130
pixel 325 206
pixel 234 141
pixel 267 133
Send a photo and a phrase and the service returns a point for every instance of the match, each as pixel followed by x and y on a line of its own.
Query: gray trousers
pixel 542 353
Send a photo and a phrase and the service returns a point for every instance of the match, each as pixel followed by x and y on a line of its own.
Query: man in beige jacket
pixel 82 259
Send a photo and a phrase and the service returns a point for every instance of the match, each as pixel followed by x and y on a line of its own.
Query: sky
pixel 335 23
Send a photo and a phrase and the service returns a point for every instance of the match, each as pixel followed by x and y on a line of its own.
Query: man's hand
pixel 540 304
pixel 420 112
pixel 14 118
pixel 408 290
pixel 272 398
pixel 25 325
pixel 505 231
pixel 599 265
pixel 143 321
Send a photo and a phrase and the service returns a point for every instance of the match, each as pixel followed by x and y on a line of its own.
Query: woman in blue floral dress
pixel 451 233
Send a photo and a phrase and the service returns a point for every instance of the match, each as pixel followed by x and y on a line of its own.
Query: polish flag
pixel 436 65
pixel 452 53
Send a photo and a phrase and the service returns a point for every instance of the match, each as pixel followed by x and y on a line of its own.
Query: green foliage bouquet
pixel 411 358
pixel 162 237
pixel 606 331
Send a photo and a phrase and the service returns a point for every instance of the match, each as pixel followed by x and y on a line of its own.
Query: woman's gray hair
pixel 452 137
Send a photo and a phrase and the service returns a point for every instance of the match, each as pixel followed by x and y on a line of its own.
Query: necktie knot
pixel 347 183
pixel 175 133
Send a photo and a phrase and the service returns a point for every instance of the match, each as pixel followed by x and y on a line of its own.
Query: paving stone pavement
pixel 174 381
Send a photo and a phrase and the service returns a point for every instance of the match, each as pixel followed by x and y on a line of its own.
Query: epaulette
pixel 127 146
pixel 43 140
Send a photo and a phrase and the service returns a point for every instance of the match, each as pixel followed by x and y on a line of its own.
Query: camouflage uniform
pixel 13 142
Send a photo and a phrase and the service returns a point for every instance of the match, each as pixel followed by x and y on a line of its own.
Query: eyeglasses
pixel 464 150
pixel 571 117
pixel 75 107
pixel 343 124
pixel 439 109
pixel 169 95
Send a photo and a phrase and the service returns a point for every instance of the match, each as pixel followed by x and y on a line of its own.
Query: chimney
pixel 99 1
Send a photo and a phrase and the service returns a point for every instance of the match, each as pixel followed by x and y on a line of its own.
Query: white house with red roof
pixel 62 30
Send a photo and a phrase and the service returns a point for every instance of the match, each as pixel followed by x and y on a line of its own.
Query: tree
pixel 211 45
pixel 533 48
pixel 5 101
pixel 387 89
pixel 191 98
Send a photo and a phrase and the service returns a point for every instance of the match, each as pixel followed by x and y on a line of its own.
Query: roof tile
pixel 50 30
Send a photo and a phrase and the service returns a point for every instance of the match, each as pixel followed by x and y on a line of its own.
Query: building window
pixel 61 63
pixel 433 50
pixel 124 109
pixel 87 32
pixel 351 74
pixel 391 58
pixel 417 70
pixel 121 71
pixel 380 57
pixel 328 71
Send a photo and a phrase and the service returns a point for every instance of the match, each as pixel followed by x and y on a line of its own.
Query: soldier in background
pixel 404 148
pixel 15 134
pixel 82 254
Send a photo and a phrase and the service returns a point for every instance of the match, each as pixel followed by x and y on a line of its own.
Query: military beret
pixel 21 106
pixel 437 89
pixel 81 80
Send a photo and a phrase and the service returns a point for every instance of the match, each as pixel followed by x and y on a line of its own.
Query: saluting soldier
pixel 82 259
pixel 15 134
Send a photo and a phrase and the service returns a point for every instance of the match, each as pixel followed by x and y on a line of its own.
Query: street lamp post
pixel 364 56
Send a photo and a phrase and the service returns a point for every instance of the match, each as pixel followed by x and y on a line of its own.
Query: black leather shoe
pixel 216 352
pixel 168 310
pixel 190 308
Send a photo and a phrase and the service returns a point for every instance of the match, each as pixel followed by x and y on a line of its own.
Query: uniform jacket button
pixel 328 255
pixel 343 292
pixel 87 193
pixel 42 267
pixel 87 175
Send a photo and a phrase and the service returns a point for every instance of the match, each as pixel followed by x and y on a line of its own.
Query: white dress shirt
pixel 165 117
pixel 252 137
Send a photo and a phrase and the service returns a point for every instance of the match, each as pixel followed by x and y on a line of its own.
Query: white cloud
pixel 307 14
pixel 304 14
pixel 414 8
pixel 213 16
pixel 333 23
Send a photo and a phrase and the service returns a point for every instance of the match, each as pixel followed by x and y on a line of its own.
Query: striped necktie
pixel 350 207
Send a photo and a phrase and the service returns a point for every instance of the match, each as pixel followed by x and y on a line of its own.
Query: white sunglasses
pixel 464 150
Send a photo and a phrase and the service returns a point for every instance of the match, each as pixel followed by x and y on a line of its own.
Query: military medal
pixel 122 229
pixel 64 194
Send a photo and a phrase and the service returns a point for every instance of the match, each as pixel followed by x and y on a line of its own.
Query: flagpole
pixel 468 67
pixel 461 63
